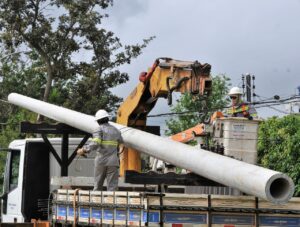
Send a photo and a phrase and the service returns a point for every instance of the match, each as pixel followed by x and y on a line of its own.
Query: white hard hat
pixel 235 91
pixel 101 114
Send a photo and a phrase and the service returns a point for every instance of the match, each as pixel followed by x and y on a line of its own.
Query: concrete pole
pixel 254 180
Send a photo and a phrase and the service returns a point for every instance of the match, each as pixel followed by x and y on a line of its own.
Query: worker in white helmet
pixel 238 107
pixel 105 142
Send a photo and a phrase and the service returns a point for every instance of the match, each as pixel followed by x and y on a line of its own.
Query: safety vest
pixel 242 108
pixel 105 143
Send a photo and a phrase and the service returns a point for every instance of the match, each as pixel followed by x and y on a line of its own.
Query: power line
pixel 280 111
pixel 260 104
pixel 273 108
pixel 185 113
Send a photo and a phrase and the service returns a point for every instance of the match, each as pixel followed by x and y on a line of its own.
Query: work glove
pixel 81 152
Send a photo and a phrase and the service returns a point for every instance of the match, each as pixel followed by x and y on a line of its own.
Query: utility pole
pixel 248 87
pixel 298 102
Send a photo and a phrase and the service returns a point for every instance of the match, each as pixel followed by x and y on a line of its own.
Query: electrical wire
pixel 260 104
pixel 273 108
pixel 278 110
pixel 281 101
pixel 76 165
pixel 244 139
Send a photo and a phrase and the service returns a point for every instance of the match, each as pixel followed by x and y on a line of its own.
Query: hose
pixel 76 164
pixel 171 89
pixel 74 206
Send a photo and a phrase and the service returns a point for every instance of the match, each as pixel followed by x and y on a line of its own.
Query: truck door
pixel 36 180
pixel 26 183
pixel 12 188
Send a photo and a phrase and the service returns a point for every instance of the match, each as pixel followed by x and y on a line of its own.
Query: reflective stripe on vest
pixel 110 143
pixel 243 108
pixel 105 142
pixel 97 140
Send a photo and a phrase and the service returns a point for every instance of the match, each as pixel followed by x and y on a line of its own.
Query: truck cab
pixel 30 165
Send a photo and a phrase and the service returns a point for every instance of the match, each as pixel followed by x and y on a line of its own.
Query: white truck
pixel 29 167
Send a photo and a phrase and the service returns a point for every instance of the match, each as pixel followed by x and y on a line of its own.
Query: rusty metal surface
pixel 38 223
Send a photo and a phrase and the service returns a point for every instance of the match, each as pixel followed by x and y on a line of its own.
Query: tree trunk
pixel 48 87
pixel 96 84
pixel 49 82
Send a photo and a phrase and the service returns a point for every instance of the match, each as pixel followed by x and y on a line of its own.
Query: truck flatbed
pixel 170 209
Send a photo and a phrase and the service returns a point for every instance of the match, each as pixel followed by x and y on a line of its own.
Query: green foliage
pixel 10 131
pixel 279 146
pixel 189 103
pixel 56 32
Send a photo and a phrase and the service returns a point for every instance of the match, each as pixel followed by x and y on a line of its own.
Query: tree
pixel 279 146
pixel 10 131
pixel 200 110
pixel 18 77
pixel 40 41
pixel 73 27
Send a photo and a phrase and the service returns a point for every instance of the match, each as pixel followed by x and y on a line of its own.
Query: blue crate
pixel 279 221
pixel 233 219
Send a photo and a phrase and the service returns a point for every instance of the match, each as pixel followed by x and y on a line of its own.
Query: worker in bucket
pixel 105 142
pixel 238 107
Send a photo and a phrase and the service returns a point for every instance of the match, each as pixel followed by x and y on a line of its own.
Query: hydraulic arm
pixel 162 79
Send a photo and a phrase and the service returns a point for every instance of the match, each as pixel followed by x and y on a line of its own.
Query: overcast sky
pixel 234 36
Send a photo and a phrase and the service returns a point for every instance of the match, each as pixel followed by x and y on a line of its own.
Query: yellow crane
pixel 164 77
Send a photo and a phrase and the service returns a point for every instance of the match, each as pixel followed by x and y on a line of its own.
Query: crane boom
pixel 162 79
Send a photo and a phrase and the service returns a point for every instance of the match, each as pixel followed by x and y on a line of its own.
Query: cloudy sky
pixel 234 36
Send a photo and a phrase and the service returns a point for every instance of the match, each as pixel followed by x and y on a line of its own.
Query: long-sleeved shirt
pixel 105 142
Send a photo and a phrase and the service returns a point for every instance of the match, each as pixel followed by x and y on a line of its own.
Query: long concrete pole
pixel 254 180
